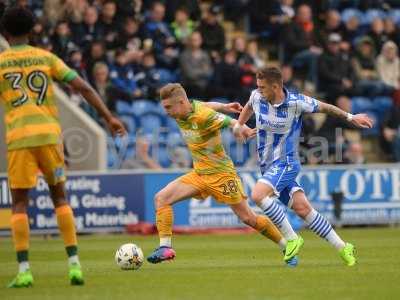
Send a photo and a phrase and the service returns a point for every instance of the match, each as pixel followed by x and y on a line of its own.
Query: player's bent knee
pixel 256 196
pixel 160 200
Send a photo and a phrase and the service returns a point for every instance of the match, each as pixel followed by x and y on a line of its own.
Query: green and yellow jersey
pixel 201 131
pixel 27 75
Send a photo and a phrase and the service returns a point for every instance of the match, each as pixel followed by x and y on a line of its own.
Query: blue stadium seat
pixel 163 156
pixel 140 107
pixel 394 14
pixel 348 13
pixel 166 76
pixel 123 107
pixel 151 122
pixel 371 14
pixel 361 104
pixel 172 125
pixel 382 104
pixel 131 123
pixel 239 153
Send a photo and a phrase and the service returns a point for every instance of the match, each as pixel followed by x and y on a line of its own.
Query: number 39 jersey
pixel 27 92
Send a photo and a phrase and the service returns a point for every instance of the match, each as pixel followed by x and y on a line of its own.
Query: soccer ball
pixel 129 257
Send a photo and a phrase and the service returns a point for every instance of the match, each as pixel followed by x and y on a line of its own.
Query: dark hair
pixel 18 21
pixel 271 74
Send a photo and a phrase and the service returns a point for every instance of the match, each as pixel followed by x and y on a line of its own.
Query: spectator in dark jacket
pixel 62 41
pixel 364 64
pixel 122 74
pixel 108 22
pixel 157 32
pixel 377 34
pixel 96 53
pixel 332 25
pixel 301 44
pixel 334 70
pixel 227 81
pixel 150 78
pixel 390 136
pixel 212 32
pixel 89 30
pixel 129 38
pixel 196 68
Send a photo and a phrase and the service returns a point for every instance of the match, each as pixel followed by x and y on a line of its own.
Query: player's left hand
pixel 362 121
pixel 116 127
pixel 233 107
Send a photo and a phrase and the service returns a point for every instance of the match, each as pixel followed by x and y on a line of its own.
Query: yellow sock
pixel 268 229
pixel 164 221
pixel 20 231
pixel 65 220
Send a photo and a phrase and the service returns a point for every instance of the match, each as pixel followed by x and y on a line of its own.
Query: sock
pixel 72 252
pixel 164 221
pixel 319 225
pixel 277 215
pixel 23 266
pixel 269 230
pixel 166 241
pixel 65 220
pixel 20 235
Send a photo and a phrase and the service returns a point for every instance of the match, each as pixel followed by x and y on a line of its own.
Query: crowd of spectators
pixel 336 49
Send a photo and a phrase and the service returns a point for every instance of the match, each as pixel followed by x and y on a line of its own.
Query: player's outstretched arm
pixel 245 114
pixel 240 130
pixel 116 127
pixel 226 108
pixel 358 120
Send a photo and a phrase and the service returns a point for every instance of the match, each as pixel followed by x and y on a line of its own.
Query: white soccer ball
pixel 129 257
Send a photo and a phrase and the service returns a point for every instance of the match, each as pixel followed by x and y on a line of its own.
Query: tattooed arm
pixel 358 120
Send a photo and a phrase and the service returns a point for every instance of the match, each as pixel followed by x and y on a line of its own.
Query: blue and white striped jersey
pixel 279 126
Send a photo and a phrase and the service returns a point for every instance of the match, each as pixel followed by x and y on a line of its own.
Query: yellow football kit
pixel 27 76
pixel 214 173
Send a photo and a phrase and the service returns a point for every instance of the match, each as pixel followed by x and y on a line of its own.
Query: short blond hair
pixel 172 90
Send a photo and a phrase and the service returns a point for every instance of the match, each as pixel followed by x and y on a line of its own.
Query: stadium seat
pixel 151 122
pixel 371 14
pixel 394 14
pixel 140 107
pixel 382 104
pixel 361 104
pixel 123 107
pixel 130 122
pixel 172 126
pixel 239 153
pixel 166 76
pixel 163 156
pixel 348 13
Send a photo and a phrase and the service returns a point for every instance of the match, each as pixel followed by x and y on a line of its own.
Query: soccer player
pixel 278 121
pixel 214 173
pixel 33 135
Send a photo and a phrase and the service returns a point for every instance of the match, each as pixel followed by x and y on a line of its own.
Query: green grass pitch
pixel 214 267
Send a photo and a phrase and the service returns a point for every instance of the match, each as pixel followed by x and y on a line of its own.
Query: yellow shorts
pixel 24 166
pixel 225 187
